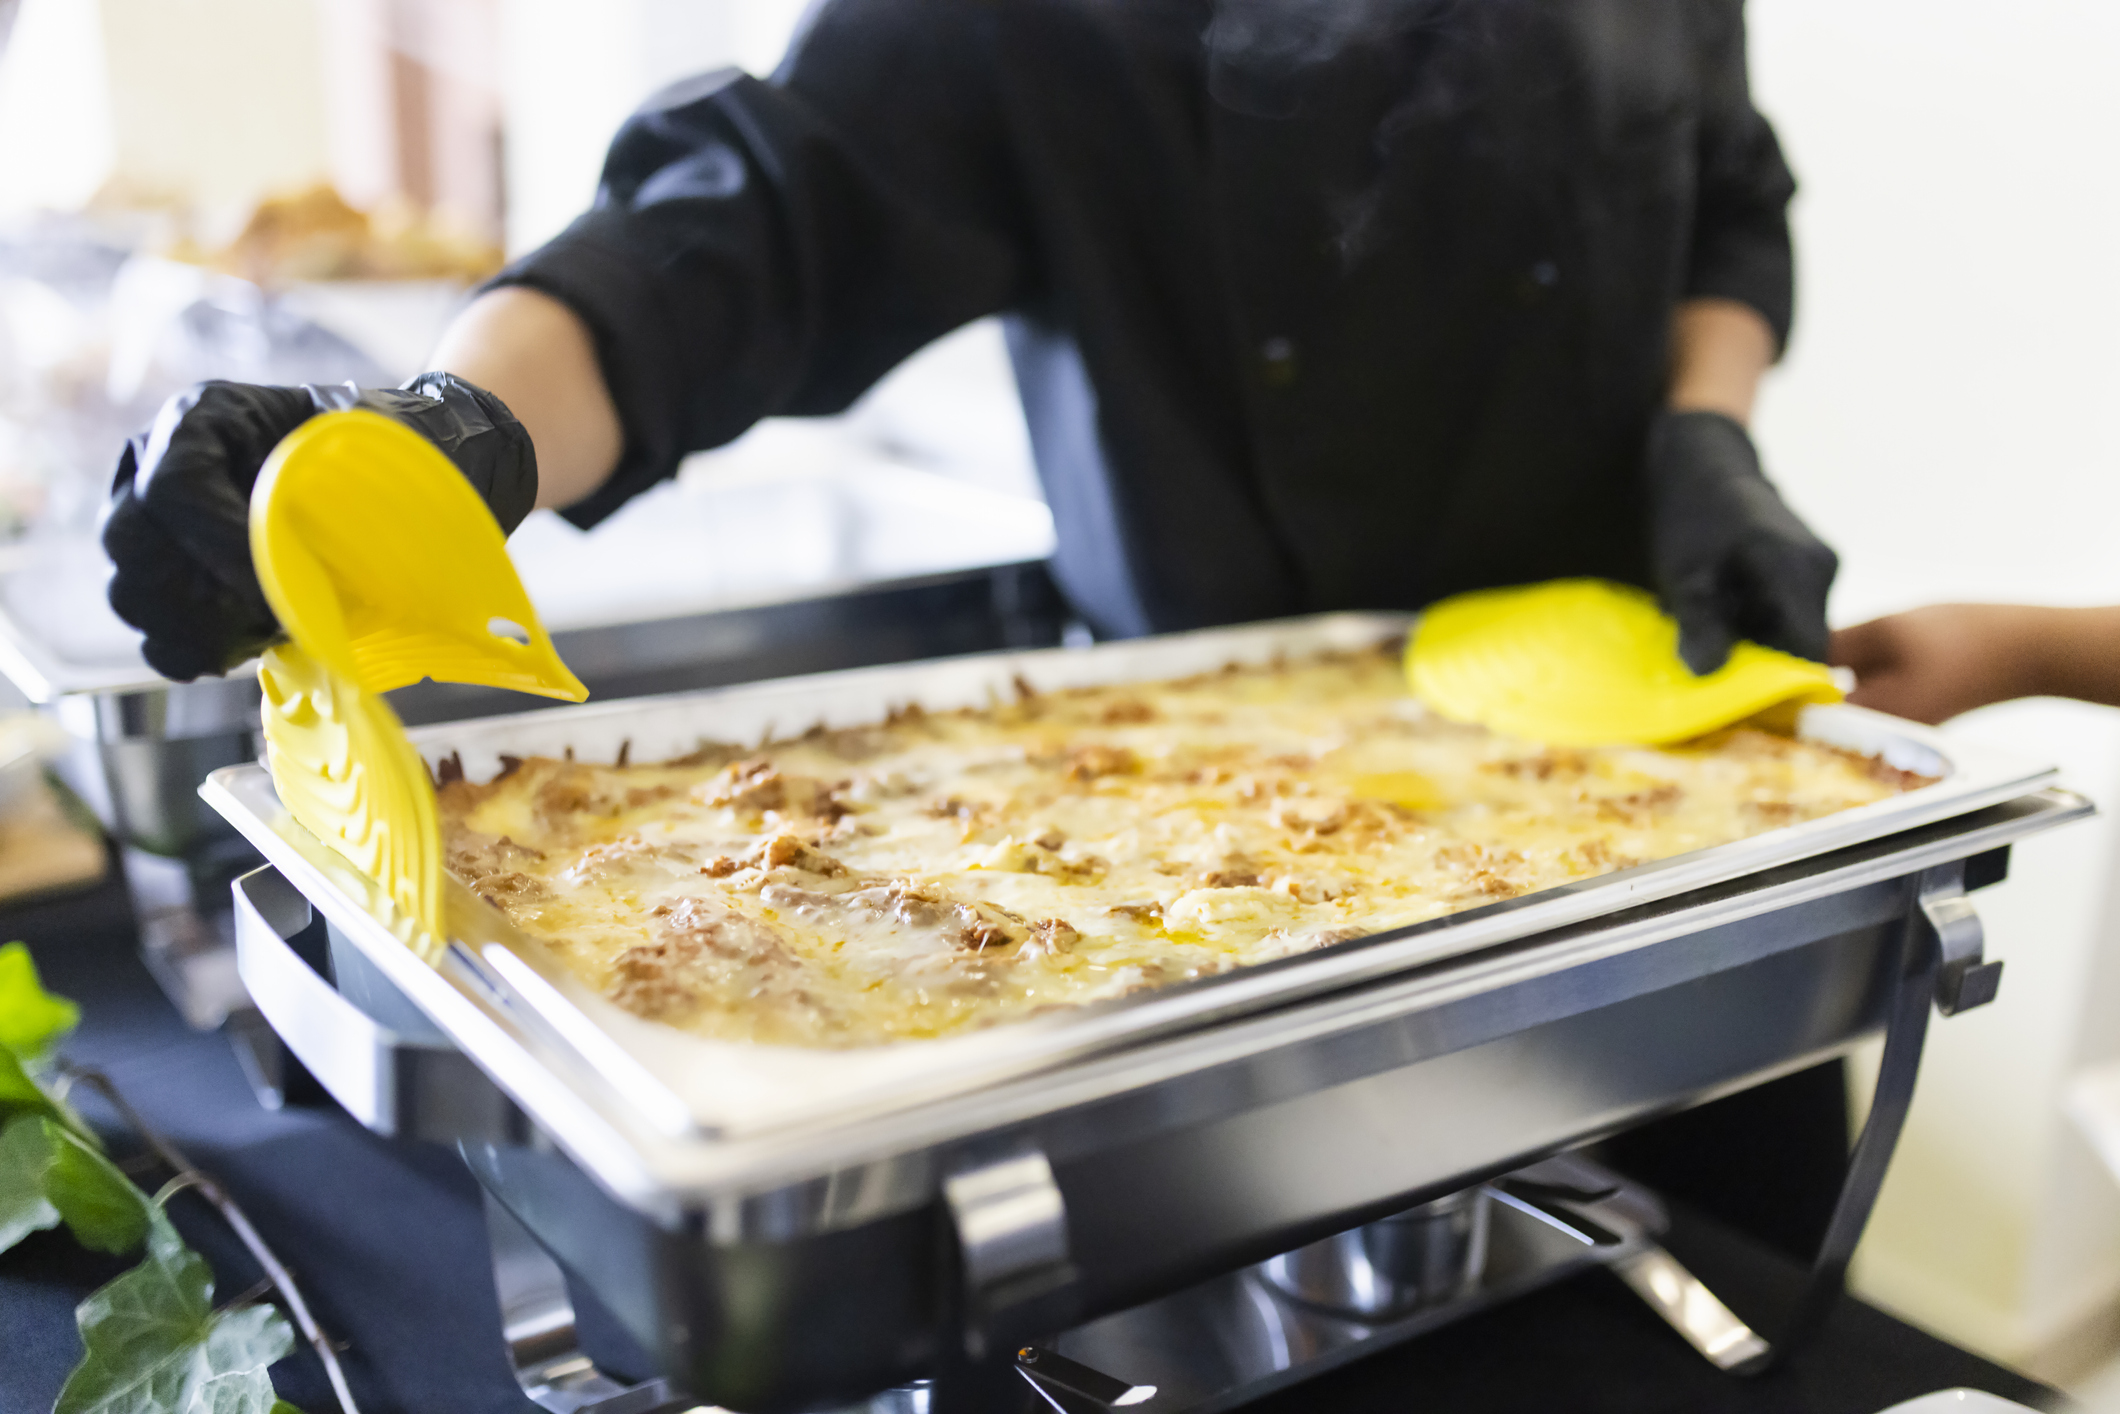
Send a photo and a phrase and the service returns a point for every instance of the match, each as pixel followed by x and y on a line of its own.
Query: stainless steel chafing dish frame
pixel 140 745
pixel 829 1257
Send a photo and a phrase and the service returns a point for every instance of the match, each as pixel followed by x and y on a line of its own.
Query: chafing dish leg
pixel 537 1322
pixel 1695 1312
pixel 1657 1277
pixel 1074 1388
pixel 188 947
pixel 185 942
pixel 1940 965
pixel 1547 1204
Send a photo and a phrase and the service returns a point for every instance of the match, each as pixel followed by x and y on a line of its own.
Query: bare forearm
pixel 536 355
pixel 2069 653
pixel 1933 663
pixel 1719 351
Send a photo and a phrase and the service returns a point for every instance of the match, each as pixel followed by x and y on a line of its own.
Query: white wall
pixel 56 142
pixel 571 73
pixel 1946 418
pixel 215 102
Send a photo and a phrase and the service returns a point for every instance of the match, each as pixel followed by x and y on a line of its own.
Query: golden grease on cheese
pixel 938 872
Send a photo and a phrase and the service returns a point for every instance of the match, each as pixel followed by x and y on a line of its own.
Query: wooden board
pixel 43 849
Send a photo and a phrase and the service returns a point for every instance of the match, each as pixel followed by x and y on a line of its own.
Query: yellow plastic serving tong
pixel 384 567
pixel 1585 662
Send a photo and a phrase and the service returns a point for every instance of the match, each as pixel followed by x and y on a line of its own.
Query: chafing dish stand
pixel 1054 1279
pixel 389 1245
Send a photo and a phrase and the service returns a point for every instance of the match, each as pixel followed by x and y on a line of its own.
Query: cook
pixel 1311 306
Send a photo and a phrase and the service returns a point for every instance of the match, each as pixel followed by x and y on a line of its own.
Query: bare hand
pixel 1933 663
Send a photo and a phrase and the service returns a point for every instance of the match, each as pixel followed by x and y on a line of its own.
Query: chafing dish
pixel 777 1229
pixel 139 745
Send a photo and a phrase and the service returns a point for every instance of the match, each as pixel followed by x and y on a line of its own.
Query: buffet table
pixel 389 1243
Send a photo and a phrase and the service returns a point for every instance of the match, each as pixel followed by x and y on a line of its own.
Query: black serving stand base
pixel 389 1243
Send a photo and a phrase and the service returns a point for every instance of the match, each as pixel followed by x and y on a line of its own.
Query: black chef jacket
pixel 1310 307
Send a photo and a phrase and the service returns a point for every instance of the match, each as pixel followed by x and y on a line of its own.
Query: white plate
pixel 1959 1401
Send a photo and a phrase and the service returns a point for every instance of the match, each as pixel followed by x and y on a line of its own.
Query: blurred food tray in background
pixel 686 548
pixel 44 849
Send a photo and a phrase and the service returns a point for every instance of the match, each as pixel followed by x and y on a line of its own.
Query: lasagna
pixel 934 872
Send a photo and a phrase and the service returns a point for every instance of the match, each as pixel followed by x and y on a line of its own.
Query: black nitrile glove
pixel 178 524
pixel 1731 560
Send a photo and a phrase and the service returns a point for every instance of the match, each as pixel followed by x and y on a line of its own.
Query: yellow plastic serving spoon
pixel 1585 662
pixel 384 567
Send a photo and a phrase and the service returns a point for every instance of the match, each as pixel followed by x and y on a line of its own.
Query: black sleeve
pixel 762 248
pixel 1741 247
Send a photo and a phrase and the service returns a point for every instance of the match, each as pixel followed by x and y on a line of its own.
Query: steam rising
pixel 1254 46
pixel 1442 63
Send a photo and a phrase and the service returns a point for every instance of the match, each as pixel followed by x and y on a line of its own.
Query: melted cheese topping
pixel 938 872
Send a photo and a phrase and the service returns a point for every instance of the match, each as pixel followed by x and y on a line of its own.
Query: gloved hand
pixel 1730 560
pixel 178 523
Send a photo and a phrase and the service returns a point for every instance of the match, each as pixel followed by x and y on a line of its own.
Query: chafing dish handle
pixel 1007 1247
pixel 374 1072
pixel 1964 977
pixel 1009 1223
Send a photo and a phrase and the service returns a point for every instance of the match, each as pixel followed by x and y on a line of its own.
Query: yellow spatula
pixel 384 567
pixel 1585 662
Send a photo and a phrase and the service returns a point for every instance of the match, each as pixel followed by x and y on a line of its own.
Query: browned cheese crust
pixel 937 872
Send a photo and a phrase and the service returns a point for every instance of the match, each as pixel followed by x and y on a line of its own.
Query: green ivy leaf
pixel 103 1208
pixel 240 1392
pixel 24 1156
pixel 20 1094
pixel 32 1020
pixel 156 1345
pixel 47 1169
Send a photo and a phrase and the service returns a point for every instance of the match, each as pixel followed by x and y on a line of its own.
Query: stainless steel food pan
pixel 686 1089
pixel 777 1227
